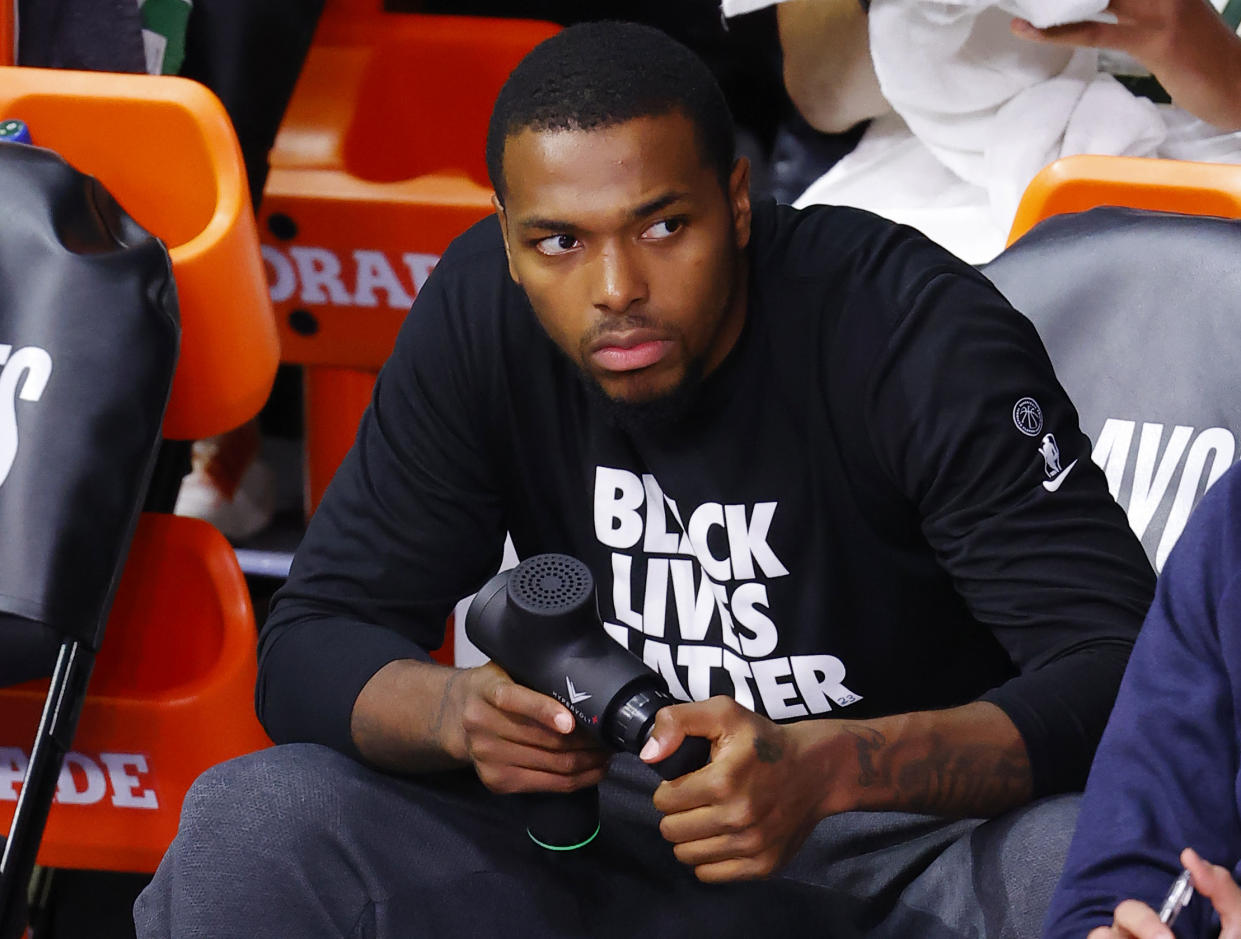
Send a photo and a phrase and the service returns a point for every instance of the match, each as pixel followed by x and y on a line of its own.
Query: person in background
pixel 1164 788
pixel 965 103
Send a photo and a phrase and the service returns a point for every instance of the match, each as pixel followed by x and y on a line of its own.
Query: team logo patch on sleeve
pixel 1028 417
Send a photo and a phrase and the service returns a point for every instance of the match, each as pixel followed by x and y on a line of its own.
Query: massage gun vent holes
pixel 550 582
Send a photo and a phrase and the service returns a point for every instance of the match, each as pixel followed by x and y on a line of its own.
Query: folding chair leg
pixel 55 734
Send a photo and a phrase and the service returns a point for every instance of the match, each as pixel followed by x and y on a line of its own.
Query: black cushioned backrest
pixel 1141 314
pixel 88 343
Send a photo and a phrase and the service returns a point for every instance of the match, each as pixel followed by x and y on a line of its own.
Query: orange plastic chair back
pixel 164 147
pixel 1078 183
pixel 378 165
pixel 172 694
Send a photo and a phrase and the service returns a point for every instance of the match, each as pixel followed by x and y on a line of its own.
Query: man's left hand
pixel 748 811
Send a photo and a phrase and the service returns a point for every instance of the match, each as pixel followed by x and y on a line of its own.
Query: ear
pixel 508 251
pixel 739 198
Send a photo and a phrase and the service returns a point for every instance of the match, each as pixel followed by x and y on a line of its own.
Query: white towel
pixel 737 7
pixel 978 112
pixel 994 108
pixel 1041 16
pixel 982 111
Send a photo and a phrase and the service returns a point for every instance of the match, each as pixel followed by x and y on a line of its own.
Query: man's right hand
pixel 420 717
pixel 518 740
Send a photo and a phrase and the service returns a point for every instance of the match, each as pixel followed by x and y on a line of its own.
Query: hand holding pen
pixel 1135 920
pixel 1179 895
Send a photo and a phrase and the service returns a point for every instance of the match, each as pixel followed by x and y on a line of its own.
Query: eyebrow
pixel 636 214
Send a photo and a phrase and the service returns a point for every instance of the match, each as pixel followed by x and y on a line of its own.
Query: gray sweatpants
pixel 299 841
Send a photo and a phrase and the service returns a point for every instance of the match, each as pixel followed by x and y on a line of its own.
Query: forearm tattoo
pixel 869 742
pixel 940 776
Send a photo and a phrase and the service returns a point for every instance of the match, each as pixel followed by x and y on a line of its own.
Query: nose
pixel 620 281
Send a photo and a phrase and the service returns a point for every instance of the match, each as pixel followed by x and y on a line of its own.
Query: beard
pixel 662 411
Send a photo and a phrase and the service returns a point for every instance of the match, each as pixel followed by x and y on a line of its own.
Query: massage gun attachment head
pixel 533 619
pixel 551 591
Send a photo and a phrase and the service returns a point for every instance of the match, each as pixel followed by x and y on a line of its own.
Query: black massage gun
pixel 540 623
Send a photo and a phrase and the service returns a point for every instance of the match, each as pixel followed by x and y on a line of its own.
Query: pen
pixel 1178 895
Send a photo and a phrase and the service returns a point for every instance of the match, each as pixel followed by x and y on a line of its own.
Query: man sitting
pixel 800 453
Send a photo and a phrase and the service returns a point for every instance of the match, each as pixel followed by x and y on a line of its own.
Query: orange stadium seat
pixel 378 165
pixel 172 689
pixel 1078 183
pixel 171 695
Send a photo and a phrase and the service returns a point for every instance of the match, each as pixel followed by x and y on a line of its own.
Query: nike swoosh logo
pixel 1051 485
pixel 574 695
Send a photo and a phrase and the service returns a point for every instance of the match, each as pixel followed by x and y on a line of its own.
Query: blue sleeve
pixel 1166 773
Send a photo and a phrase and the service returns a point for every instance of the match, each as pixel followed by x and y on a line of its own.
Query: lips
pixel 629 350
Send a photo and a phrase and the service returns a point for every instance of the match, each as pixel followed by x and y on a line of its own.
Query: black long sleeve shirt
pixel 880 502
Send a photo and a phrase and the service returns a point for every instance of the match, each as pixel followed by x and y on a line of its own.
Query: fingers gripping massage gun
pixel 540 623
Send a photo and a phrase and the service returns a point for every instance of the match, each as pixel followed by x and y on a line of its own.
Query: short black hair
pixel 600 74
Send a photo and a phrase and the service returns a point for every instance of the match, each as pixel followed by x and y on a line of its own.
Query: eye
pixel 555 245
pixel 664 228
